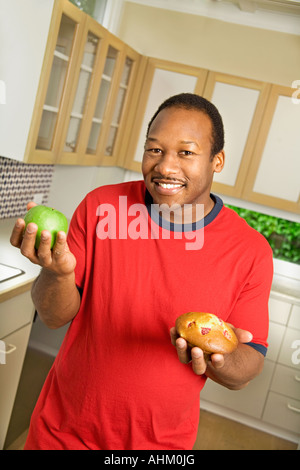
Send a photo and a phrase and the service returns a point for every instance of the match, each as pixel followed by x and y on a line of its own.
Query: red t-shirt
pixel 117 382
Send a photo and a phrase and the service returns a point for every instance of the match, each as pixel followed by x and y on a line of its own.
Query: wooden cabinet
pixel 261 124
pixel 91 128
pixel 59 72
pixel 271 399
pixel 273 177
pixel 16 316
pixel 241 103
pixel 85 88
pixel 161 80
pixel 94 97
pixel 85 95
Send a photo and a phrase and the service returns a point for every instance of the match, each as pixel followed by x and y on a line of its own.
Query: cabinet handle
pixel 71 145
pixel 297 378
pixel 293 408
pixel 10 349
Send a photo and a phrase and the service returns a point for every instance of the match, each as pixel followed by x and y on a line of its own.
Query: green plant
pixel 282 235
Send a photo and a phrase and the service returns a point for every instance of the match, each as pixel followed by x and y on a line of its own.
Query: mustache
pixel 169 179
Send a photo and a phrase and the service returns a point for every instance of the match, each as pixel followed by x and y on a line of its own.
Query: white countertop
pixel 286 281
pixel 12 257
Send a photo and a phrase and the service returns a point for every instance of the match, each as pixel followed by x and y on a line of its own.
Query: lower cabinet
pixel 16 316
pixel 272 398
pixel 249 400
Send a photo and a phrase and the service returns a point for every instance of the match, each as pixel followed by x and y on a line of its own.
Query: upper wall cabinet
pixel 85 81
pixel 161 80
pixel 241 103
pixel 274 174
pixel 54 93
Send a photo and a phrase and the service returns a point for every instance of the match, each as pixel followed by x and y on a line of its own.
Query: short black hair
pixel 193 101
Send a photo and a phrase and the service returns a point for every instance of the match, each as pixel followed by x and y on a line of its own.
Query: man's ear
pixel 219 161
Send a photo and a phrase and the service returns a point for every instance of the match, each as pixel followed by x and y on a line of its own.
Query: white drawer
pixel 290 349
pixel 10 375
pixel 279 311
pixel 275 338
pixel 283 412
pixel 15 313
pixel 249 400
pixel 286 381
pixel 294 321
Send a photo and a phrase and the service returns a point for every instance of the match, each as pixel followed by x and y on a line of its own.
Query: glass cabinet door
pixel 86 70
pixel 114 126
pixel 105 86
pixel 56 84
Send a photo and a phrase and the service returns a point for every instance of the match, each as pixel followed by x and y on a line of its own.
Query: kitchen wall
pixel 70 184
pixel 217 45
pixel 20 183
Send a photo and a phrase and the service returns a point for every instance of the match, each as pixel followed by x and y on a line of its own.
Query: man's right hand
pixel 59 260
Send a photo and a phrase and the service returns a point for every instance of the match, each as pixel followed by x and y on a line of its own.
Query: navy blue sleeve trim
pixel 259 347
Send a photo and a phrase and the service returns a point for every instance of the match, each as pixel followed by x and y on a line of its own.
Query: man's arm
pixel 54 292
pixel 233 371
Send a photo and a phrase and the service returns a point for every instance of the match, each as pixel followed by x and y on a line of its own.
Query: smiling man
pixel 118 381
pixel 179 161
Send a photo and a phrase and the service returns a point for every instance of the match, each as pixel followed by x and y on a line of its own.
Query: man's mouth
pixel 167 187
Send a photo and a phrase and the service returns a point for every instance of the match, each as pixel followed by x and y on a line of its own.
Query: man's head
pixel 183 150
pixel 197 102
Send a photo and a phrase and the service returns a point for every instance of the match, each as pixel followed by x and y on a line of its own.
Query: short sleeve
pixel 251 310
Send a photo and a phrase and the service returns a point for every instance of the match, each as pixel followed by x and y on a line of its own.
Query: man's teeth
pixel 169 185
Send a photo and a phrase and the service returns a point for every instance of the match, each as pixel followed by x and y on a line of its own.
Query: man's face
pixel 177 164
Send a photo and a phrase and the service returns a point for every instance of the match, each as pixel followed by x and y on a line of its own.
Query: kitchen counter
pixel 286 282
pixel 12 257
pixel 285 288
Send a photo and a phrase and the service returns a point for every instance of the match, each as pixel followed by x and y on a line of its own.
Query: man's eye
pixel 153 150
pixel 186 153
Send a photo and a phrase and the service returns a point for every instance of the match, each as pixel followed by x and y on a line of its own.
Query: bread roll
pixel 207 332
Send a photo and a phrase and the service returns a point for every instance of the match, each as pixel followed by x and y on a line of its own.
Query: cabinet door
pixel 273 177
pixel 250 400
pixel 119 119
pixel 240 102
pixel 10 374
pixel 75 125
pixel 107 100
pixel 161 80
pixel 60 63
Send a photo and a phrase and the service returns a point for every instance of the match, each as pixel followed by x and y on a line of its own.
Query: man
pixel 128 271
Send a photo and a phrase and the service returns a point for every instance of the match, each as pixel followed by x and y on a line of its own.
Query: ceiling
pixel 278 15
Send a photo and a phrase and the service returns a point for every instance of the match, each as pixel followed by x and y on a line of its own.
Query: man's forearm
pixel 239 368
pixel 56 298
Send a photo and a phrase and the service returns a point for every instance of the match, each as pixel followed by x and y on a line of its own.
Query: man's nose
pixel 167 164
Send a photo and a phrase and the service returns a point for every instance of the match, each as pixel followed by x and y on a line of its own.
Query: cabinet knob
pixel 71 145
pixel 293 408
pixel 10 348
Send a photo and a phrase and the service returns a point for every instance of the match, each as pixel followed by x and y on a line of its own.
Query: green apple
pixel 46 218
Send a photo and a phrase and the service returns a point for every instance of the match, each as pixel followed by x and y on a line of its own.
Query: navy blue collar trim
pixel 157 218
